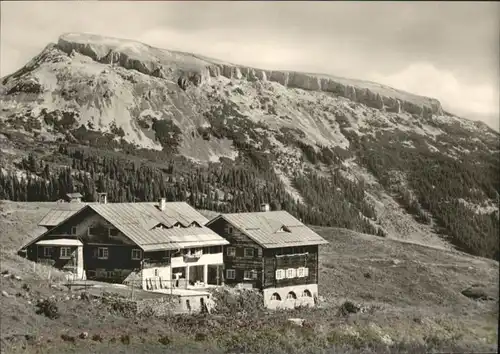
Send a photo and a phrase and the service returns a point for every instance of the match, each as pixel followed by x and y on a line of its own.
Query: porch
pixel 194 277
pixel 63 253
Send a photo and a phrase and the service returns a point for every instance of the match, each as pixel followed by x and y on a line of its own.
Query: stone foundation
pixel 300 295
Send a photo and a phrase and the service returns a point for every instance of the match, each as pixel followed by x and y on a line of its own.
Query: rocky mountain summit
pixel 191 69
pixel 409 169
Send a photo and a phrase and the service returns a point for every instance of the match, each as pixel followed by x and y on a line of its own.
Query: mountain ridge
pixel 349 88
pixel 110 49
pixel 343 154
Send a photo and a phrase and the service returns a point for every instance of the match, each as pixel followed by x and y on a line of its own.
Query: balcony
pixel 192 257
pixel 154 263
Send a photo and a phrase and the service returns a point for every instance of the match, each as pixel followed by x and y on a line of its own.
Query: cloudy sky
pixel 445 50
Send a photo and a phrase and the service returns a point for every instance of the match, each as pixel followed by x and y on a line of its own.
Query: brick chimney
pixel 264 207
pixel 102 198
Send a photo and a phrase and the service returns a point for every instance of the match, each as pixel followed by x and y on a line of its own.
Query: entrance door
pixel 89 266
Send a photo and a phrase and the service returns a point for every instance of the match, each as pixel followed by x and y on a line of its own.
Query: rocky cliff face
pixel 191 69
pixel 91 89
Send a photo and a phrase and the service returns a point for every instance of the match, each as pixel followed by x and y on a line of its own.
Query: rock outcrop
pixel 188 69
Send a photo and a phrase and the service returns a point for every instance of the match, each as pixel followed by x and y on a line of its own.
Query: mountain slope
pixel 413 295
pixel 334 151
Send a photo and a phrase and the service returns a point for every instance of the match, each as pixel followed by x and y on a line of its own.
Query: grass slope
pixel 411 293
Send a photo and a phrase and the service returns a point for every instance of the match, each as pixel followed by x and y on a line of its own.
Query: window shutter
pixel 306 272
pixel 300 272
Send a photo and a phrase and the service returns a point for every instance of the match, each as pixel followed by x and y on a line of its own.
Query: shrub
pixel 125 339
pixel 48 308
pixel 68 338
pixel 348 307
pixel 237 301
pixel 167 133
pixel 97 338
pixel 165 340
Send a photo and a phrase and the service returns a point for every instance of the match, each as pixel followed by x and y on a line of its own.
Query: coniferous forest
pixel 223 187
pixel 437 187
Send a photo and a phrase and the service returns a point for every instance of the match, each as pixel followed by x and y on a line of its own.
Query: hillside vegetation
pixel 96 114
pixel 377 296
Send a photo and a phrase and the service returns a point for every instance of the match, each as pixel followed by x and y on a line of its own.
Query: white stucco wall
pixel 165 272
pixel 215 258
pixel 290 303
pixel 148 274
pixel 194 303
pixel 80 273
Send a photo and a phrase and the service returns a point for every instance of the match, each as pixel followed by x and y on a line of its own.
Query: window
pixel 161 226
pixel 249 252
pixel 65 253
pixel 302 272
pixel 280 274
pixel 230 274
pixel 306 293
pixel 113 232
pixel 249 274
pixel 259 252
pixel 231 251
pixel 276 296
pixel 291 295
pixel 136 254
pixel 230 230
pixel 291 273
pixel 102 253
pixel 214 249
pixel 73 230
pixel 90 273
pixel 47 251
pixel 93 231
pixel 110 274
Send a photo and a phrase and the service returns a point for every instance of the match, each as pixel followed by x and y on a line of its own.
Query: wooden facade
pixel 291 258
pixel 55 256
pixel 258 268
pixel 246 260
pixel 107 253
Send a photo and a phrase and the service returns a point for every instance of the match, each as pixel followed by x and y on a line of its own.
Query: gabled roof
pixel 137 221
pixel 74 195
pixel 273 229
pixel 60 213
pixel 37 232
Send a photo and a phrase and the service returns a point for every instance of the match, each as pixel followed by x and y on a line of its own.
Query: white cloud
pixel 470 101
pixel 276 36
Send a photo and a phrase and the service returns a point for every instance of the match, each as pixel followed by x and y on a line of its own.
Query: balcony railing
pixel 147 263
pixel 192 257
